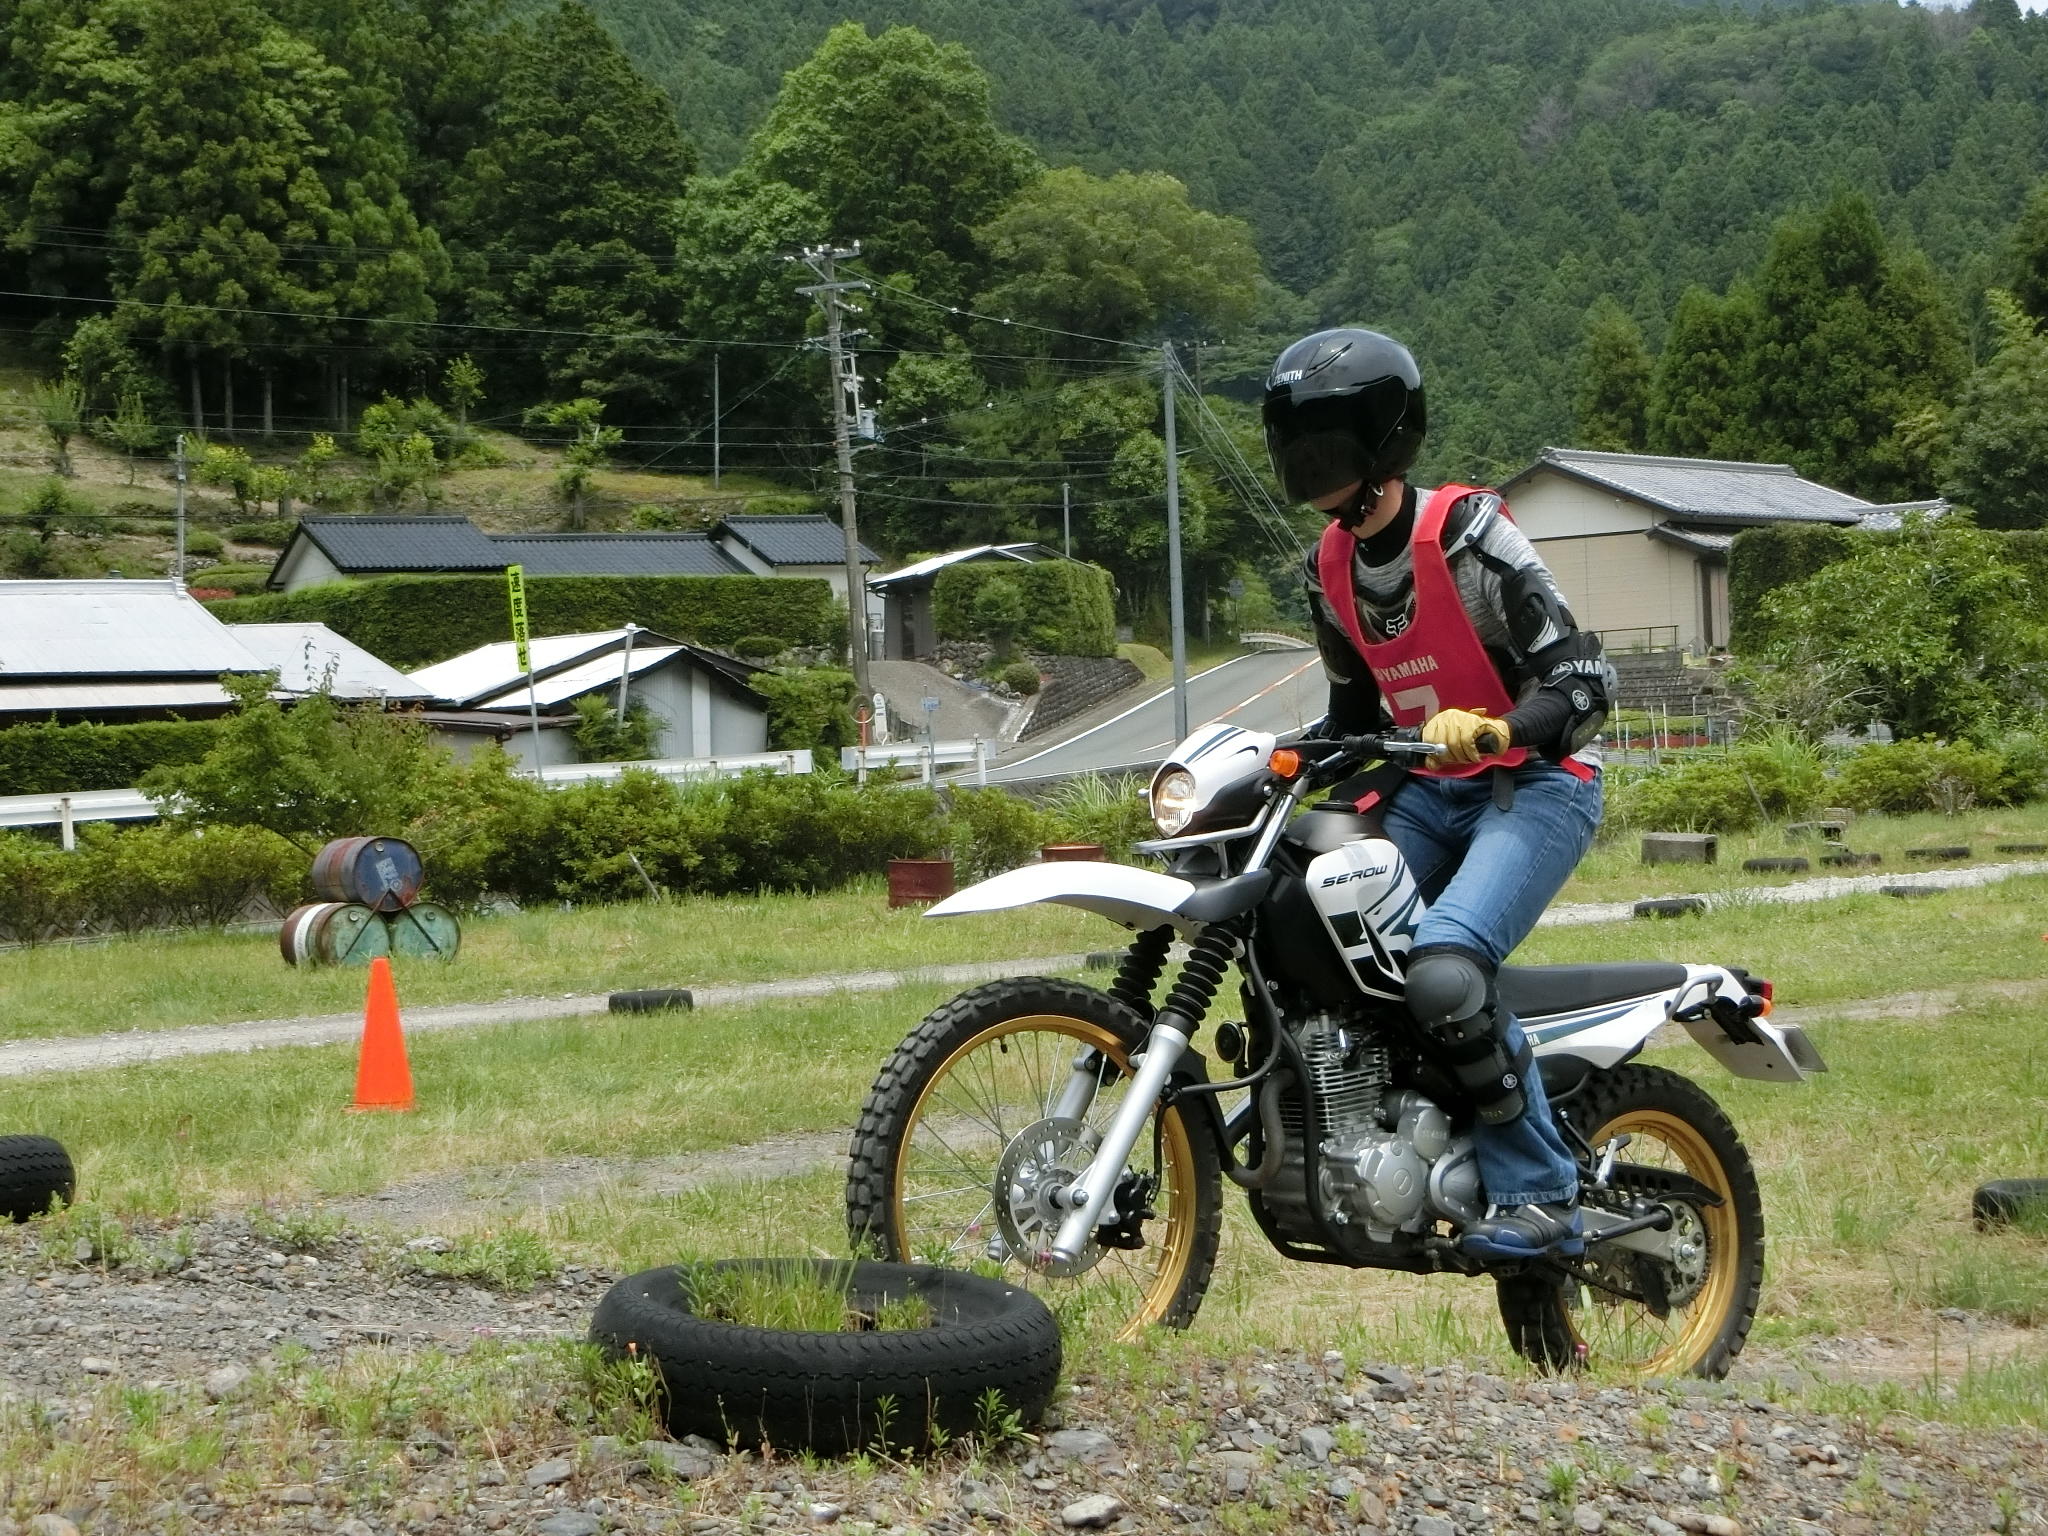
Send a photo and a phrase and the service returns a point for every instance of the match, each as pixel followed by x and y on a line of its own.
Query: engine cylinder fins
pixel 1348 1073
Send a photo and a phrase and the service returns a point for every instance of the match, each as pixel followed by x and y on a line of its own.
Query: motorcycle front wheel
pixel 1652 1317
pixel 959 1144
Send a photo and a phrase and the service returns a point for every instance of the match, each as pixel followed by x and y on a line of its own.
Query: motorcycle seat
pixel 1536 991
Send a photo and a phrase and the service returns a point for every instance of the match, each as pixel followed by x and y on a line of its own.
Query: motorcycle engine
pixel 1389 1162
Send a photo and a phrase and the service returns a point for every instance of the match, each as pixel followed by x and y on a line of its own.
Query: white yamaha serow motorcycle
pixel 1073 1136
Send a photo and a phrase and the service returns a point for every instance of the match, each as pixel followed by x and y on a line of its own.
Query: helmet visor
pixel 1314 445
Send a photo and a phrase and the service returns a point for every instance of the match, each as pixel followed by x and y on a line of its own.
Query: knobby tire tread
pixel 33 1171
pixel 1532 1305
pixel 870 1181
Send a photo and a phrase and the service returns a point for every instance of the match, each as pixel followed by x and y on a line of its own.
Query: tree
pixel 589 446
pixel 565 211
pixel 2029 262
pixel 895 139
pixel 1614 381
pixel 463 382
pixel 1702 400
pixel 1933 627
pixel 59 409
pixel 1122 257
pixel 1996 438
pixel 1851 339
pixel 131 428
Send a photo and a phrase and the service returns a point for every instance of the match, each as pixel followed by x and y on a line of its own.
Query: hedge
pixel 410 621
pixel 1071 605
pixel 53 759
pixel 1764 559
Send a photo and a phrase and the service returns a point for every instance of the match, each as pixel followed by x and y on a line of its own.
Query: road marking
pixel 1290 677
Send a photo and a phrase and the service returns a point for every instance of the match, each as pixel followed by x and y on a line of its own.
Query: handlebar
pixel 1337 754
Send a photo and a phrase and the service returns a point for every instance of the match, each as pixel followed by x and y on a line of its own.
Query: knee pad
pixel 1451 994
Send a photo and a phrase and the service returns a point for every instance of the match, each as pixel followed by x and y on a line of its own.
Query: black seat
pixel 1535 991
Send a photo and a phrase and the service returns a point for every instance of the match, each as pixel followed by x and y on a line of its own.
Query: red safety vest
pixel 1438 661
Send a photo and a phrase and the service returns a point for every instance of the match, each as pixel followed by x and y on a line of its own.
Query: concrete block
pixel 1680 847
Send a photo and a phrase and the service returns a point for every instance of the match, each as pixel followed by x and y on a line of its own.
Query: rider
pixel 1433 610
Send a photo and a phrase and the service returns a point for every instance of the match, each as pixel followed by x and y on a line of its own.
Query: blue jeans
pixel 1487 875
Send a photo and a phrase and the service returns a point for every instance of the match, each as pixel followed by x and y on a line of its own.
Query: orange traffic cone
pixel 383 1078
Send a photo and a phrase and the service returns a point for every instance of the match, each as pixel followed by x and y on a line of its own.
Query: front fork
pixel 1152 1069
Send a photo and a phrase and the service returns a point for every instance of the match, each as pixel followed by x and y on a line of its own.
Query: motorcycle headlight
pixel 1173 802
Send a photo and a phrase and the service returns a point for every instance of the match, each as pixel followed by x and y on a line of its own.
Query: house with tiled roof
pixel 339 548
pixel 1639 544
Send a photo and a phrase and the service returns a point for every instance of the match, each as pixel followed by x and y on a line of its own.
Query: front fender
pixel 1137 898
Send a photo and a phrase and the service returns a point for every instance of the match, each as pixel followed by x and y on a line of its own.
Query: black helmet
pixel 1341 406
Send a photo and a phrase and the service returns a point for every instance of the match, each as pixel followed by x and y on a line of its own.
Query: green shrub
pixel 1773 777
pixel 53 759
pixel 203 544
pixel 1019 677
pixel 130 878
pixel 757 647
pixel 602 737
pixel 240 579
pixel 992 830
pixel 1921 775
pixel 2026 765
pixel 808 707
pixel 1068 607
pixel 1109 809
pixel 410 621
pixel 274 531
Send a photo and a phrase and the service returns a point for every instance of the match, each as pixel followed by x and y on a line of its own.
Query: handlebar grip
pixel 1490 743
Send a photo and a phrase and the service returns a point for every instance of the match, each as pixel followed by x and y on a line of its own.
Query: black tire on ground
pixel 1934 855
pixel 1182 1241
pixel 653 1000
pixel 1543 1312
pixel 34 1170
pixel 833 1394
pixel 2005 1202
pixel 1669 906
pixel 1790 865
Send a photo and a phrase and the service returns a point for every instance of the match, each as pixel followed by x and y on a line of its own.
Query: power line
pixel 1022 325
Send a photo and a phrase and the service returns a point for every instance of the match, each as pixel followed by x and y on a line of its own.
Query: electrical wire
pixel 971 314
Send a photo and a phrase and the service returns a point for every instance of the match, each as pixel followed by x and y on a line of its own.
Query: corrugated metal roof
pixel 489 669
pixel 304 655
pixel 583 678
pixel 54 698
pixel 1707 490
pixel 391 543
pixel 112 628
pixel 616 554
pixel 933 564
pixel 808 540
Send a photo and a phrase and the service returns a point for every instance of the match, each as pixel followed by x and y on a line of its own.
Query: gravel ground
pixel 246 1339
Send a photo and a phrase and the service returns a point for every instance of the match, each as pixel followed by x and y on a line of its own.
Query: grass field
pixel 1867 1170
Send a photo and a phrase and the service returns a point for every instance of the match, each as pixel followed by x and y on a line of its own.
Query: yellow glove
pixel 1459 731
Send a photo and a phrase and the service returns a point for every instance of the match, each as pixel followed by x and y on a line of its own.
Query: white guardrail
pixel 927 756
pixel 65 811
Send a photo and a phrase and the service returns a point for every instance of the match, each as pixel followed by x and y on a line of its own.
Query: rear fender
pixel 1137 898
pixel 1748 1047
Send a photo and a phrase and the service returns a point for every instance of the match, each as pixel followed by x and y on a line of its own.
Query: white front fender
pixel 1137 898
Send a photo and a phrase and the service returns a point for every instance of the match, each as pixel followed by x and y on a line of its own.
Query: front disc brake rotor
pixel 1041 1162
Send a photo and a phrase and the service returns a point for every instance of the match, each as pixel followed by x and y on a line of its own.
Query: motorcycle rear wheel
pixel 928 1154
pixel 1559 1321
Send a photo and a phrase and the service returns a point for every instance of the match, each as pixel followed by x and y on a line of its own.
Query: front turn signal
pixel 1285 761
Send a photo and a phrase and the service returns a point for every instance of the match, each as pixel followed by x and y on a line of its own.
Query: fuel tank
pixel 1370 906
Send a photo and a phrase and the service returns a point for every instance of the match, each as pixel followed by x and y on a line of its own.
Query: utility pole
pixel 717 413
pixel 178 558
pixel 1067 516
pixel 1176 609
pixel 846 411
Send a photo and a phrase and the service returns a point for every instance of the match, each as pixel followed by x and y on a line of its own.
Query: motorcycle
pixel 1073 1138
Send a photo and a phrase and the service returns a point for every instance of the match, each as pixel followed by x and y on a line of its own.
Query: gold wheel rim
pixel 1170 1239
pixel 1707 1313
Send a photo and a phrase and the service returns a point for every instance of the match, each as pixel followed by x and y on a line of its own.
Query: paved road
pixel 1266 691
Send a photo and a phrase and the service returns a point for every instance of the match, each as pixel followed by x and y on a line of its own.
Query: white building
pixel 701 700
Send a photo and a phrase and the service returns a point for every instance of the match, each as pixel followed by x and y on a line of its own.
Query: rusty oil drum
pixel 425 929
pixel 333 933
pixel 916 880
pixel 382 873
